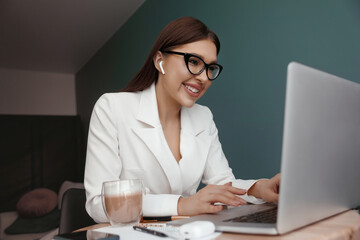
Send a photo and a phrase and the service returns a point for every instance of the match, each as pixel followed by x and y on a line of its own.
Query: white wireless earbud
pixel 161 67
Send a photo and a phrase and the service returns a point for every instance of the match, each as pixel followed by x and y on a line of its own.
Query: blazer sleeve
pixel 103 162
pixel 217 170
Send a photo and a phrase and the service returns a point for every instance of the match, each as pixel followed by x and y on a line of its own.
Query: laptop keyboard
pixel 267 216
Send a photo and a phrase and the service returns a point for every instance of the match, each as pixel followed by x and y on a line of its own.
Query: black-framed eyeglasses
pixel 196 65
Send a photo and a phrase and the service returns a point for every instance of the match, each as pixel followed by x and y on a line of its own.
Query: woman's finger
pixel 224 199
pixel 271 196
pixel 213 208
pixel 227 187
pixel 237 191
pixel 228 184
pixel 221 194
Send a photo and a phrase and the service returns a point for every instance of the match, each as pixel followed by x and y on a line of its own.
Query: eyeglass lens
pixel 196 65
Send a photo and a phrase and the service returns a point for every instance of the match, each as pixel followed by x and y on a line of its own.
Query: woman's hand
pixel 268 190
pixel 203 201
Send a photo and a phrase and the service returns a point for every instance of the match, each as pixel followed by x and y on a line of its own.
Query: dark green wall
pixel 259 38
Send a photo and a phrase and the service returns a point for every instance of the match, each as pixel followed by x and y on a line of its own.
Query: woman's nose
pixel 202 76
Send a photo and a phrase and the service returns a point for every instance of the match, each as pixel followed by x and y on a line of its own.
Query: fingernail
pixel 236 203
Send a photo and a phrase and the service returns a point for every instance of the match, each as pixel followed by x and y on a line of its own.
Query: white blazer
pixel 126 141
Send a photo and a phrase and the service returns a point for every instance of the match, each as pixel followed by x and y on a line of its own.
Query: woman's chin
pixel 188 104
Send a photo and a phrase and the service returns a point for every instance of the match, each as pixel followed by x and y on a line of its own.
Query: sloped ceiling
pixel 58 35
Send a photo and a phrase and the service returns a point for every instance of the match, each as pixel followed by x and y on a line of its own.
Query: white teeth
pixel 194 90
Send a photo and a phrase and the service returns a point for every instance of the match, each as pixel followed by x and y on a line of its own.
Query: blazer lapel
pixel 152 135
pixel 194 146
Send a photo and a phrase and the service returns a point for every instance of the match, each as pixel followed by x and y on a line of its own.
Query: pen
pixel 162 219
pixel 150 231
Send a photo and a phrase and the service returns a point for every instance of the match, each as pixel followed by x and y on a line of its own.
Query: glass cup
pixel 122 201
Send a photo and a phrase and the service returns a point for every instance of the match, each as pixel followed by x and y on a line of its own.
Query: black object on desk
pixel 157 219
pixel 86 235
pixel 149 231
pixel 358 209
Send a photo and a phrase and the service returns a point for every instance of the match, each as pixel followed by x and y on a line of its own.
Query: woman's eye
pixel 213 69
pixel 193 61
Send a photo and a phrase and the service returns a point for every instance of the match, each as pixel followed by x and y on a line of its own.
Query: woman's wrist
pixel 255 190
pixel 179 206
pixel 185 208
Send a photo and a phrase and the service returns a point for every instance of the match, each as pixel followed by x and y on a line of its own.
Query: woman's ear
pixel 158 62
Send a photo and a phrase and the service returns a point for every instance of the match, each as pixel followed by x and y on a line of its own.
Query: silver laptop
pixel 320 166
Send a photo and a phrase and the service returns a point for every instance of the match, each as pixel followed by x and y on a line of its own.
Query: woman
pixel 154 131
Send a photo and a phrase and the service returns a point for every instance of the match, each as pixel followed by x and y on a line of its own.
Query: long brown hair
pixel 178 32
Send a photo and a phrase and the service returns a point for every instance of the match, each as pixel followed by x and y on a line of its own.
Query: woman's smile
pixel 193 90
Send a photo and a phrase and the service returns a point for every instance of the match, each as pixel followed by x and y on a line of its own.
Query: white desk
pixel 345 226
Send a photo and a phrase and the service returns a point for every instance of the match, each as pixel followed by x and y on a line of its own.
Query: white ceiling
pixel 58 35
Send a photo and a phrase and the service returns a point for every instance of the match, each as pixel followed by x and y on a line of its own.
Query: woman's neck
pixel 169 109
